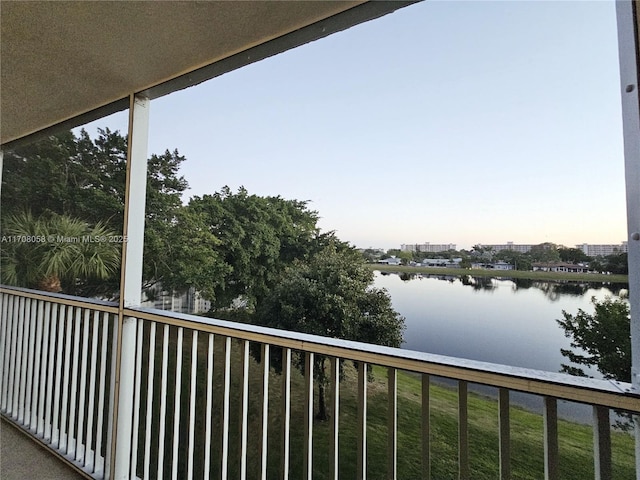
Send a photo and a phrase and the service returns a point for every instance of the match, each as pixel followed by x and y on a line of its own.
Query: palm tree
pixel 57 252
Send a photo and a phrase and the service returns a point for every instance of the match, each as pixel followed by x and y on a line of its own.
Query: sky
pixel 444 122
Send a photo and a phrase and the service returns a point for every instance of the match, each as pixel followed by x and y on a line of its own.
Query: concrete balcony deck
pixel 22 458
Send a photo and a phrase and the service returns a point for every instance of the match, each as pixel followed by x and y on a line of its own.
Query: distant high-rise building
pixel 427 247
pixel 602 250
pixel 188 302
pixel 522 248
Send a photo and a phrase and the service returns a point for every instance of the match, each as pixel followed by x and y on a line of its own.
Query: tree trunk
pixel 322 406
pixel 50 284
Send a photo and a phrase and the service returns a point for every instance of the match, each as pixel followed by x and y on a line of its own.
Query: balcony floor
pixel 22 458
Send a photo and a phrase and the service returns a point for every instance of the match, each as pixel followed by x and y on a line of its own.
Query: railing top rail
pixel 61 298
pixel 581 389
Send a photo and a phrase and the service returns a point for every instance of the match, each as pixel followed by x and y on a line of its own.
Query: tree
pixel 331 294
pixel 596 266
pixel 573 255
pixel 258 237
pixel 186 255
pixel 483 253
pixel 545 252
pixel 617 263
pixel 58 253
pixel 405 257
pixel 603 336
pixel 84 179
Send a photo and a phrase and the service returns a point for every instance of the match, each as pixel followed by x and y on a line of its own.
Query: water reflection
pixel 478 283
pixel 506 321
pixel 514 325
pixel 553 290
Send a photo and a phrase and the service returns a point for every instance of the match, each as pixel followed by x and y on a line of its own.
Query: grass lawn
pixel 550 276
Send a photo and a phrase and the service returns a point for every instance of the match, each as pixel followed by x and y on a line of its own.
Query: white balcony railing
pixel 197 414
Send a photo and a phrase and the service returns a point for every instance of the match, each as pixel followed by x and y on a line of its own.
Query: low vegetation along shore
pixel 577 277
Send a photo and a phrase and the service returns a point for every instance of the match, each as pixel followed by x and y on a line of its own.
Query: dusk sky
pixel 445 122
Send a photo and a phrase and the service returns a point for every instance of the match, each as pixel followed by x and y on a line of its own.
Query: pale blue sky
pixel 445 122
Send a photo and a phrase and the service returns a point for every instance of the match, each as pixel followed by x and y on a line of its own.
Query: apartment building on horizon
pixel 593 250
pixel 427 247
pixel 516 247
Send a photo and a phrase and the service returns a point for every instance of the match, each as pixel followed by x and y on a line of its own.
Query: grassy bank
pixel 542 276
pixel 576 441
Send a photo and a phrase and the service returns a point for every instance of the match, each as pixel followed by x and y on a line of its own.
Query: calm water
pixel 491 320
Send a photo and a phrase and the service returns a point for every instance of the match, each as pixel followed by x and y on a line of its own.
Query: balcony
pixel 204 407
pixel 117 391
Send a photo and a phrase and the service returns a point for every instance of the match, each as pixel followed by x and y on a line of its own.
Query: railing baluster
pixel 18 357
pixel 44 354
pixel 163 400
pixel 176 406
pixel 224 450
pixel 64 414
pixel 286 411
pixel 7 347
pixel 36 367
pixel 111 446
pixel 24 355
pixel 9 354
pixel 265 409
pixel 18 361
pixel 33 342
pixel 308 416
pixel 601 443
pixel 207 432
pixel 463 431
pixel 192 403
pixel 334 467
pixel 48 406
pixel 4 320
pixel 16 345
pixel 505 434
pixel 362 420
pixel 55 428
pixel 550 417
pixel 136 400
pixel 71 441
pixel 84 352
pixel 426 428
pixel 151 355
pixel 392 423
pixel 102 394
pixel 244 409
pixel 93 365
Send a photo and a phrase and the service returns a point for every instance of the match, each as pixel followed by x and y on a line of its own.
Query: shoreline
pixel 505 274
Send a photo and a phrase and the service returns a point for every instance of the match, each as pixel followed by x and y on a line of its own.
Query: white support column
pixel 628 53
pixel 130 280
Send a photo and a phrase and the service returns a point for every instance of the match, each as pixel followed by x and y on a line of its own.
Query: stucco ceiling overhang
pixel 64 62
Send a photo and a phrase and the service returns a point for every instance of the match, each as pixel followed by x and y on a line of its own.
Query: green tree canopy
pixel 573 255
pixel 331 294
pixel 545 252
pixel 601 339
pixel 258 237
pixel 59 253
pixel 84 179
pixel 617 263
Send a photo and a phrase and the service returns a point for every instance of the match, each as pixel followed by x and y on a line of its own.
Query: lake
pixel 510 322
